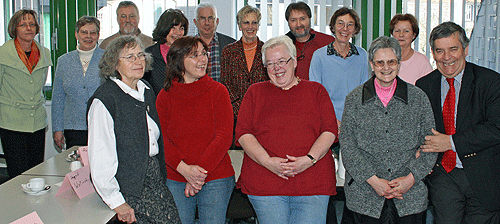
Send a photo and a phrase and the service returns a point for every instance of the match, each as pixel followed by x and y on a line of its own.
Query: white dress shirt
pixel 103 158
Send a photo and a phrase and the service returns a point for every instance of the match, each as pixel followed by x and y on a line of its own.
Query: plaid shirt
pixel 330 50
pixel 214 60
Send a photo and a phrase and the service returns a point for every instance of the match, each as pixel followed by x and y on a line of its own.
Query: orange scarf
pixel 31 62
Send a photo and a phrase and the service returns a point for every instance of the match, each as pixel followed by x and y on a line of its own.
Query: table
pixel 14 203
pixel 55 166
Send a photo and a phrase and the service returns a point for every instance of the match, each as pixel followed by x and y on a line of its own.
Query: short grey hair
pixel 206 5
pixel 245 11
pixel 276 41
pixel 385 42
pixel 125 4
pixel 447 29
pixel 111 56
pixel 84 20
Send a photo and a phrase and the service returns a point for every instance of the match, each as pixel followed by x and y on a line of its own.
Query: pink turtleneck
pixel 385 93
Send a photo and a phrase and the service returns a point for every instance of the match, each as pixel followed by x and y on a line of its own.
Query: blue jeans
pixel 212 201
pixel 290 209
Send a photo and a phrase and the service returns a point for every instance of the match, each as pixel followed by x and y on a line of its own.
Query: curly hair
pixel 111 56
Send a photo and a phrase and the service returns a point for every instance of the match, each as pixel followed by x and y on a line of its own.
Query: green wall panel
pixel 64 14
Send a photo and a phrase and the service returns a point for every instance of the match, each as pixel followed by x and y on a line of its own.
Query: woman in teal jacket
pixel 23 71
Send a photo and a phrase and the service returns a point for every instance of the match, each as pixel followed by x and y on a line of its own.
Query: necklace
pixel 390 91
pixel 298 81
pixel 337 48
pixel 247 49
pixel 249 46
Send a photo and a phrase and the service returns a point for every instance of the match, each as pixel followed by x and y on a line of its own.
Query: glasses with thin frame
pixel 341 24
pixel 131 57
pixel 87 32
pixel 381 63
pixel 204 19
pixel 281 63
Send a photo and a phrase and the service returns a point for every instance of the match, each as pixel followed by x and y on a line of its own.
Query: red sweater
pixel 316 41
pixel 197 125
pixel 287 122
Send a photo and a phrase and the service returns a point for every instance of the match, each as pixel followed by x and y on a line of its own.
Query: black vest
pixel 131 132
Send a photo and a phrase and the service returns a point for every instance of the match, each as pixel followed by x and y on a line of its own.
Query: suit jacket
pixel 156 77
pixel 234 71
pixel 477 137
pixel 223 41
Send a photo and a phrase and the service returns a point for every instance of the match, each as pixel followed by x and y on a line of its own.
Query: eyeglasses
pixel 204 19
pixel 132 58
pixel 86 32
pixel 380 64
pixel 25 25
pixel 202 54
pixel 248 23
pixel 341 24
pixel 280 63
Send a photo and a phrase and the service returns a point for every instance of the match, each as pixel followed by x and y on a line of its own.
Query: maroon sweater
pixel 304 55
pixel 287 122
pixel 197 125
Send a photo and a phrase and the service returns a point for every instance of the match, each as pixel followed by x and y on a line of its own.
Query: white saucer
pixel 30 192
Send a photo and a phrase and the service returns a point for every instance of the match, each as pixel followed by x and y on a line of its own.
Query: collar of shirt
pixel 215 39
pixel 137 94
pixel 445 87
pixel 330 50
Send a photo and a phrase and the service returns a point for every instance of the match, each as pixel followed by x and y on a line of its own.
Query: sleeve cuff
pixel 115 200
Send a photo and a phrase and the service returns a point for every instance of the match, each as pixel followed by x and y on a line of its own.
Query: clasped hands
pixel 392 189
pixel 195 176
pixel 288 167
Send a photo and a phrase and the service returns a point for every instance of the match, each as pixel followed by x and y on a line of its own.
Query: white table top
pixel 14 203
pixel 55 166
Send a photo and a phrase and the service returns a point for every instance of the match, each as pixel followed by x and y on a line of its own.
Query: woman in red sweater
pixel 286 127
pixel 196 119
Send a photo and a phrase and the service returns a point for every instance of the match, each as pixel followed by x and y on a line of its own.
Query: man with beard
pixel 127 15
pixel 206 21
pixel 306 40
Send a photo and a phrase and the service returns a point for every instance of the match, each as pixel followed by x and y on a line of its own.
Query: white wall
pixel 227 16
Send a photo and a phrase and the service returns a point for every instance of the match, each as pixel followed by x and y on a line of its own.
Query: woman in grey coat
pixel 384 123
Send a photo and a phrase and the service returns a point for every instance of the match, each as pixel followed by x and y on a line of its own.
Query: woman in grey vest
pixel 125 144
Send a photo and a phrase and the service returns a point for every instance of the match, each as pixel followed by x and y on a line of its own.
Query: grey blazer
pixel 382 141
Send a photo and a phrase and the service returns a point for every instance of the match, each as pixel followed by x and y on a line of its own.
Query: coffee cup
pixel 75 165
pixel 36 184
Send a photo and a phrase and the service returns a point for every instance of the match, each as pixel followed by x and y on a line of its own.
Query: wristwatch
pixel 313 160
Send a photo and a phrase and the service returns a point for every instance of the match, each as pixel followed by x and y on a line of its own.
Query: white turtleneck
pixel 85 57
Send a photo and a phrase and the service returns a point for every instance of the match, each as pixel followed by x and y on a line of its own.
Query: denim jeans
pixel 212 201
pixel 290 209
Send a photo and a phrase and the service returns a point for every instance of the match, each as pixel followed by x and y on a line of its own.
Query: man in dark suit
pixel 464 186
pixel 206 21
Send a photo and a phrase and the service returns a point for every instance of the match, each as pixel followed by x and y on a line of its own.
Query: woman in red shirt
pixel 286 127
pixel 196 119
